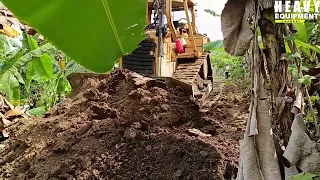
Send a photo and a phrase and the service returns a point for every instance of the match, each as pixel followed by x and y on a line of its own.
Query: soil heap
pixel 123 126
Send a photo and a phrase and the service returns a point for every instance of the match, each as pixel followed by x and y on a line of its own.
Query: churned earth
pixel 125 126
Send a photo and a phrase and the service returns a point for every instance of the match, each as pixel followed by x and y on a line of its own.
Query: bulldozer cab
pixel 177 13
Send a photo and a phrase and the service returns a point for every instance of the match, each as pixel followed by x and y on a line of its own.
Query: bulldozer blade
pixel 174 83
pixel 199 96
pixel 76 79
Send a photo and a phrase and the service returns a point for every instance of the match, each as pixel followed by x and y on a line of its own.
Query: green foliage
pixel 94 33
pixel 304 31
pixel 303 39
pixel 43 65
pixel 44 92
pixel 305 80
pixel 10 86
pixel 12 65
pixel 305 176
pixel 221 58
pixel 314 99
pixel 309 116
pixel 31 74
pixel 37 111
pixel 214 46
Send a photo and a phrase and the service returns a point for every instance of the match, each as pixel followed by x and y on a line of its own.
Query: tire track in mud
pixel 227 107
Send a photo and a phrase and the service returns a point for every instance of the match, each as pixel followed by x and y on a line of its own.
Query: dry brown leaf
pixel 7 102
pixel 13 112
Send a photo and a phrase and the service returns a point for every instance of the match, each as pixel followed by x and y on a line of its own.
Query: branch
pixel 213 13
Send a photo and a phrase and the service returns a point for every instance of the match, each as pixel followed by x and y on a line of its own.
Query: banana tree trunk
pixel 265 145
pixel 277 64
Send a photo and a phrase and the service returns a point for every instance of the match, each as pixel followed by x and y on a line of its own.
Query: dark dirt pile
pixel 122 127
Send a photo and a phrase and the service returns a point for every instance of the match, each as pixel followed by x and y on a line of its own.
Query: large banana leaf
pixel 95 33
pixel 304 31
pixel 43 64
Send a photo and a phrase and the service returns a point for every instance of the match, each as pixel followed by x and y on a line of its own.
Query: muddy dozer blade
pixel 191 89
pixel 76 81
pixel 174 83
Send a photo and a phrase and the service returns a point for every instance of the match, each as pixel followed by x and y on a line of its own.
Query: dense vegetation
pixel 33 72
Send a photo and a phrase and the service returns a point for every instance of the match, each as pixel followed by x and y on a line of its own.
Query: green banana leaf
pixel 304 31
pixel 18 76
pixel 288 50
pixel 19 61
pixel 43 65
pixel 214 45
pixel 10 62
pixel 301 44
pixel 94 33
pixel 305 176
pixel 30 71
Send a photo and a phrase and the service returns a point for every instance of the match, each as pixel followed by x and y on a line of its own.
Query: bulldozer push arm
pixel 161 30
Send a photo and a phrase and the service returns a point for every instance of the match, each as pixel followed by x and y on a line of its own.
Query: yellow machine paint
pixel 191 69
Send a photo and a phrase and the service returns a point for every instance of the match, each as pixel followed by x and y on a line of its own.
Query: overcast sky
pixel 207 23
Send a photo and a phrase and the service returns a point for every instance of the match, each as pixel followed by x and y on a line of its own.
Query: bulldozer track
pixel 140 60
pixel 189 72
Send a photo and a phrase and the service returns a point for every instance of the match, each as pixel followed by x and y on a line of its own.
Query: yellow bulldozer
pixel 173 50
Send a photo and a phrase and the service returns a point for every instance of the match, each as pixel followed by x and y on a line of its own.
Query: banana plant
pixel 46 75
pixel 303 40
pixel 94 33
pixel 12 64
